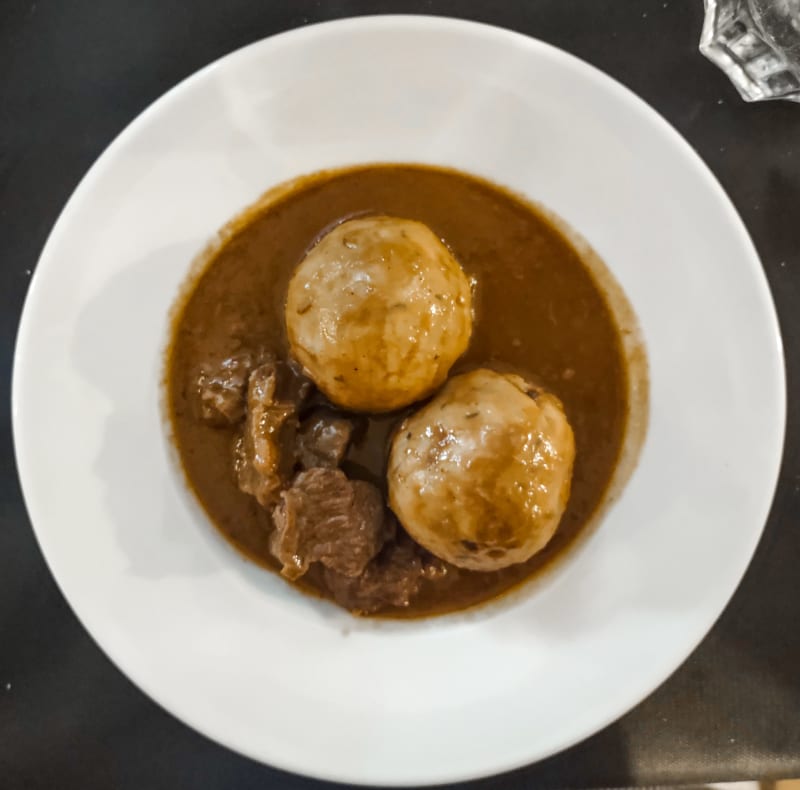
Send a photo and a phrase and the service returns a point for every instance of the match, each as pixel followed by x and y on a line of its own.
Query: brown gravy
pixel 539 311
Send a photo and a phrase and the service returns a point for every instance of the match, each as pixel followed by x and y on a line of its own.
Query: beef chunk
pixel 392 579
pixel 260 463
pixel 292 384
pixel 322 440
pixel 324 517
pixel 221 388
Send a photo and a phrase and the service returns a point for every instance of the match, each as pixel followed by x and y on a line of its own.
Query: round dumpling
pixel 480 476
pixel 377 312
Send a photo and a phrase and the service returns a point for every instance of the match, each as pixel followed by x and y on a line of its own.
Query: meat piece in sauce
pixel 392 579
pixel 324 517
pixel 480 476
pixel 377 312
pixel 262 453
pixel 322 440
pixel 221 388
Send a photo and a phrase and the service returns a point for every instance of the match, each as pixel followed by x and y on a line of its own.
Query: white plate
pixel 232 650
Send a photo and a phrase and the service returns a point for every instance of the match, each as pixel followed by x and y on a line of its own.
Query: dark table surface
pixel 72 75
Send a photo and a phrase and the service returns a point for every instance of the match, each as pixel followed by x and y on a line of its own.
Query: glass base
pixel 757 44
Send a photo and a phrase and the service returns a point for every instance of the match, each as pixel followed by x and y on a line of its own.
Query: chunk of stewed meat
pixel 322 440
pixel 324 517
pixel 260 462
pixel 391 580
pixel 222 386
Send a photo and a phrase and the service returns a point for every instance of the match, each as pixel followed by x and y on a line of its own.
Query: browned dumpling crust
pixel 377 313
pixel 480 476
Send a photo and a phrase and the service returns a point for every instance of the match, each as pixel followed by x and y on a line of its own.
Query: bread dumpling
pixel 480 476
pixel 377 312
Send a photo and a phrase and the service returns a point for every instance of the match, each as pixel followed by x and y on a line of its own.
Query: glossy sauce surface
pixel 538 312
